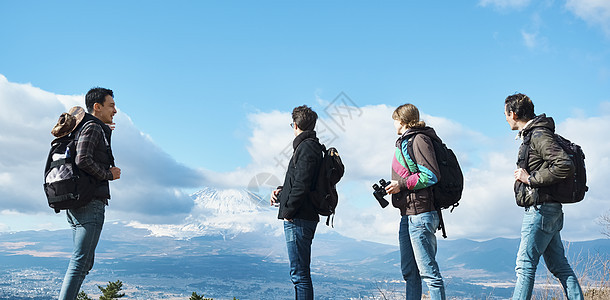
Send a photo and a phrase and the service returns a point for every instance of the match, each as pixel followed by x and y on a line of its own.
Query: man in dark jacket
pixel 296 207
pixel 547 165
pixel 94 158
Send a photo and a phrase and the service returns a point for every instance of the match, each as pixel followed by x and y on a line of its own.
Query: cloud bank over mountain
pixel 154 191
pixel 152 182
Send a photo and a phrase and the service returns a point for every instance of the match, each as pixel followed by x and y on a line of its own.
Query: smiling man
pixel 94 158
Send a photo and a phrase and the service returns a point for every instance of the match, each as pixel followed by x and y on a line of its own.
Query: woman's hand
pixel 393 187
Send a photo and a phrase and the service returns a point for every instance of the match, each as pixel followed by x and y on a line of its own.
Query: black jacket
pixel 295 199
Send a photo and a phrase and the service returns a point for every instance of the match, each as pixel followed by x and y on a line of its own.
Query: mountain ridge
pixel 242 253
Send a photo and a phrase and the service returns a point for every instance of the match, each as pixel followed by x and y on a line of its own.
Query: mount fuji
pixel 227 213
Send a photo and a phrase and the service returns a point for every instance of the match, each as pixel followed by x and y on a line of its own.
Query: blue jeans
pixel 417 255
pixel 540 237
pixel 299 235
pixel 86 223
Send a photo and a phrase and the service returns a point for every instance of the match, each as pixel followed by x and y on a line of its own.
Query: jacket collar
pixel 301 137
pixel 520 133
pixel 429 131
pixel 539 121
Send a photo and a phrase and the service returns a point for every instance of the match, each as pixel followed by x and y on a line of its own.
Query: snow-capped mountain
pixel 228 202
pixel 227 212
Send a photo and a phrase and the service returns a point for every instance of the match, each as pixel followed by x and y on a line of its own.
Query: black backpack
pixel 324 191
pixel 573 188
pixel 65 185
pixel 448 191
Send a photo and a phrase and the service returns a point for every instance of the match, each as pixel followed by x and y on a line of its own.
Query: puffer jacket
pixel 548 164
pixel 415 180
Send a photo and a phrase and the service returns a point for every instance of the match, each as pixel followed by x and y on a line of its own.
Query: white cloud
pixel 366 142
pixel 26 119
pixel 151 180
pixel 530 39
pixel 488 203
pixel 152 189
pixel 504 4
pixel 487 209
pixel 594 12
pixel 591 133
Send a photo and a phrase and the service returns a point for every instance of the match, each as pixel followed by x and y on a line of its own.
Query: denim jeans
pixel 299 235
pixel 540 237
pixel 417 255
pixel 86 223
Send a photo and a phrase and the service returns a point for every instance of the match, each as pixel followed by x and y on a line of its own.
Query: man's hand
pixel 116 173
pixel 112 125
pixel 274 194
pixel 522 175
pixel 393 187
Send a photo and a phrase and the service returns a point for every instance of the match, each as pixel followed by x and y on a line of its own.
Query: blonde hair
pixel 408 115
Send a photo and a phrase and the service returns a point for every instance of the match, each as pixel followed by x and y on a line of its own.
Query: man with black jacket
pixel 295 205
pixel 94 158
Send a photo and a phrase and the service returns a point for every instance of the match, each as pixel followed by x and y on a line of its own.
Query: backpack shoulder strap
pixel 318 168
pixel 410 146
pixel 524 152
pixel 441 225
pixel 310 139
pixel 523 159
pixel 106 143
pixel 78 132
pixel 410 151
pixel 315 140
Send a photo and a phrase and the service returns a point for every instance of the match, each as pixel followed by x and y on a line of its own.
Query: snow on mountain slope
pixel 221 212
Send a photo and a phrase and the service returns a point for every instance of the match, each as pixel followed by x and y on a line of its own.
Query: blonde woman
pixel 413 173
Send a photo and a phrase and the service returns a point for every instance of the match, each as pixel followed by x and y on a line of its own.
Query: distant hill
pixel 247 259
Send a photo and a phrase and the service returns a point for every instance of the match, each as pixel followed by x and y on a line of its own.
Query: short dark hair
pixel 521 105
pixel 97 95
pixel 304 117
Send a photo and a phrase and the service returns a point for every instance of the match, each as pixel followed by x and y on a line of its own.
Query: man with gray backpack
pixel 84 139
pixel 544 179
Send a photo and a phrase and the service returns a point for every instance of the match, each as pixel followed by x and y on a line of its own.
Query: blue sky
pixel 196 79
pixel 190 72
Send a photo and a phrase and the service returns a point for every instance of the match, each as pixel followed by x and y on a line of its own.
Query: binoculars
pixel 379 192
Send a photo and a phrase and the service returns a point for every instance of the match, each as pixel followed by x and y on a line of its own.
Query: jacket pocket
pixel 525 195
pixel 399 200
